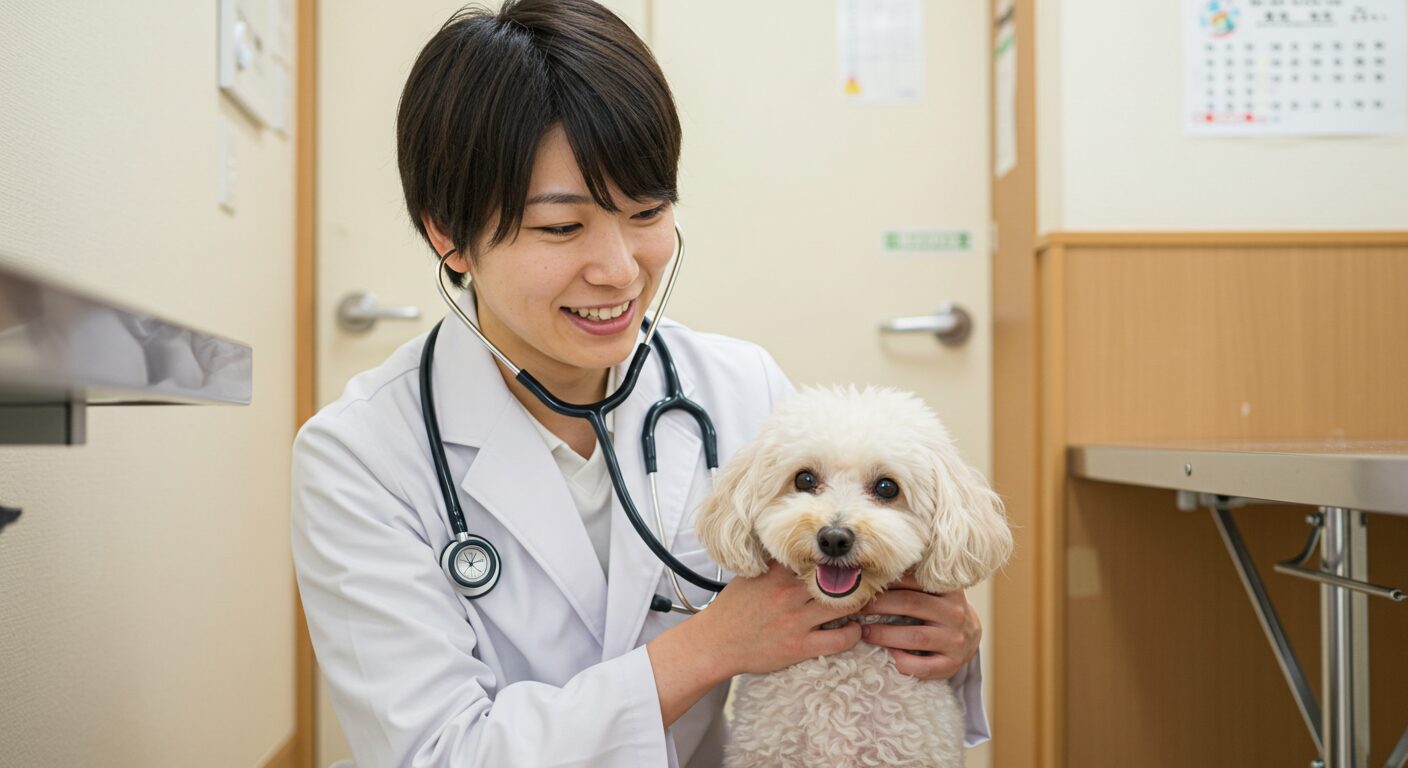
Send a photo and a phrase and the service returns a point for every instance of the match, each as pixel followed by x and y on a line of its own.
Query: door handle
pixel 950 323
pixel 358 311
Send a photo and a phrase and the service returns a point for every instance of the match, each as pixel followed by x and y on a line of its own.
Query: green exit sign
pixel 927 240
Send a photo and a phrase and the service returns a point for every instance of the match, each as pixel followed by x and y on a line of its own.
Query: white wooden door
pixel 788 190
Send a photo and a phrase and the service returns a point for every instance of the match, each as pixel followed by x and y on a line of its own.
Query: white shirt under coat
pixel 589 482
pixel 549 668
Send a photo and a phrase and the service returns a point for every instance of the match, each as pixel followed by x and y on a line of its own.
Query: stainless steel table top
pixel 59 344
pixel 1368 475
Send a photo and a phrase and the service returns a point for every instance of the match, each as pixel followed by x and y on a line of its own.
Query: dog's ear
pixel 969 534
pixel 724 524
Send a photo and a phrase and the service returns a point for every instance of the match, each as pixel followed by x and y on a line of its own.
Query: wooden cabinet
pixel 1121 634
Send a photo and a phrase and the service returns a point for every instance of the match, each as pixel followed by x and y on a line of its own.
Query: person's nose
pixel 613 262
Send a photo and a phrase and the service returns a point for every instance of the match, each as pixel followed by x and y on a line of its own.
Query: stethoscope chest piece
pixel 472 564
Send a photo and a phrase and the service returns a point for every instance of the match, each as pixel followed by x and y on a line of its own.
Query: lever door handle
pixel 358 311
pixel 951 324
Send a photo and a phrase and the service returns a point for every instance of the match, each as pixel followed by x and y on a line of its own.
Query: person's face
pixel 570 258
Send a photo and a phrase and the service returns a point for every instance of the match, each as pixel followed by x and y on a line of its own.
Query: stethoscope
pixel 471 562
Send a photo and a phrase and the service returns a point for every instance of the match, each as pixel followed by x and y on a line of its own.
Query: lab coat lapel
pixel 513 476
pixel 635 571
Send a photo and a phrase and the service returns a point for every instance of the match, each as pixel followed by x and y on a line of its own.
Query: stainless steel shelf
pixel 1370 476
pixel 1345 479
pixel 62 349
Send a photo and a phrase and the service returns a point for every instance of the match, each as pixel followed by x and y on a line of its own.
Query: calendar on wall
pixel 1309 67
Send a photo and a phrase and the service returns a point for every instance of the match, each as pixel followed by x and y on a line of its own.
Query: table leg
pixel 1344 641
pixel 1399 758
pixel 1270 622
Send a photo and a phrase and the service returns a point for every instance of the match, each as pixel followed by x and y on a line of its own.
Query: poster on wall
pixel 1295 67
pixel 880 50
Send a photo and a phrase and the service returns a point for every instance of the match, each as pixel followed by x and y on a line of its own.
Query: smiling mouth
pixel 601 314
pixel 837 580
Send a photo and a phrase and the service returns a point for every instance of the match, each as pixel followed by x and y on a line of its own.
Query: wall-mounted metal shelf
pixel 1345 479
pixel 1368 475
pixel 63 349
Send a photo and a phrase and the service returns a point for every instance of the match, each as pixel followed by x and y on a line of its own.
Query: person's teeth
pixel 603 314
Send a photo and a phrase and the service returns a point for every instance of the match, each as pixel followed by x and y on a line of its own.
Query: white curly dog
pixel 850 490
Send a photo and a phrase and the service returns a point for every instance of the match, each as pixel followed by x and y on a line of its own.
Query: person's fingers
pixel 947 610
pixel 926 667
pixel 790 591
pixel 905 602
pixel 945 640
pixel 775 585
pixel 818 612
pixel 825 642
pixel 973 634
pixel 775 572
pixel 907 581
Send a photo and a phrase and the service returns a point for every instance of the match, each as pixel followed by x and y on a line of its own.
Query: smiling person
pixel 538 149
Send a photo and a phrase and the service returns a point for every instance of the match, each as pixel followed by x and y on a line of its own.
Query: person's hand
pixel 948 636
pixel 770 621
pixel 755 625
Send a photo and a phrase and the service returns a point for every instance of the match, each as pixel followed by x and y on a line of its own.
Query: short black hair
pixel 488 86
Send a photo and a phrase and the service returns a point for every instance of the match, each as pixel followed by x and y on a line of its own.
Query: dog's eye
pixel 886 488
pixel 805 481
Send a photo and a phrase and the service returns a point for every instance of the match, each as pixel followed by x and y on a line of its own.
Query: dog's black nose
pixel 835 541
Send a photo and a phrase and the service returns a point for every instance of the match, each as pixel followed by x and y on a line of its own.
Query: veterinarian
pixel 538 149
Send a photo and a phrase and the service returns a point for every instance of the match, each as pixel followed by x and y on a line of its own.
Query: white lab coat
pixel 548 669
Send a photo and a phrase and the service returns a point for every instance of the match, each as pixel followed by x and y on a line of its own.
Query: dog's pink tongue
pixel 835 580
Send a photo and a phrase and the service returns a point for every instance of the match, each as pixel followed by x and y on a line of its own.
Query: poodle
pixel 850 490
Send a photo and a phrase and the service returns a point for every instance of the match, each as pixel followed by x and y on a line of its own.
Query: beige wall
pixel 1114 155
pixel 146 608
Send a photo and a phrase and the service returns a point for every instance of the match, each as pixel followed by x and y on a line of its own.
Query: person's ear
pixel 442 243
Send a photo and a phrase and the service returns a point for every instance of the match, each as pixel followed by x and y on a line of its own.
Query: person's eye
pixel 561 231
pixel 651 214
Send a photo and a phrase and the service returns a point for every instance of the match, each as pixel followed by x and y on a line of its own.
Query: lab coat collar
pixel 513 476
pixel 542 515
pixel 467 375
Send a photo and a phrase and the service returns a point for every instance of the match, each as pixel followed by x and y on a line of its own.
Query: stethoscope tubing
pixel 675 399
pixel 595 414
pixel 432 427
pixel 684 605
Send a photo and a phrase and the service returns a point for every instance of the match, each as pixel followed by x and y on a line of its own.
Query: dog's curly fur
pixel 945 524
